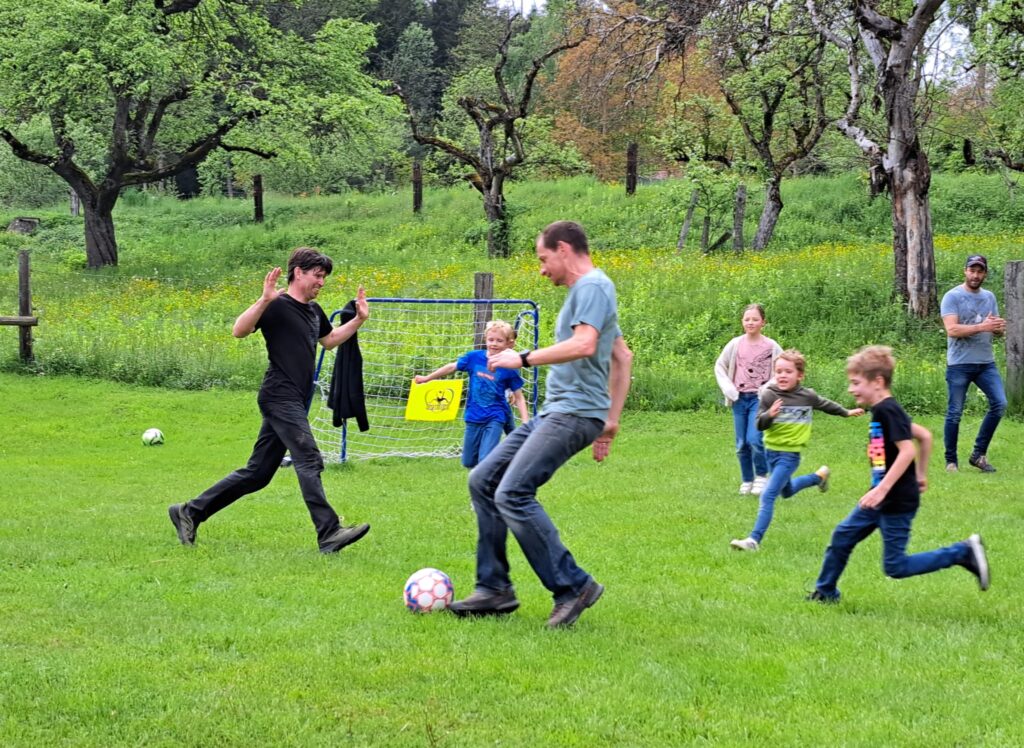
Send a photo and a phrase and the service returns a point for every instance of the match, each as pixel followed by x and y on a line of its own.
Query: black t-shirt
pixel 291 330
pixel 891 424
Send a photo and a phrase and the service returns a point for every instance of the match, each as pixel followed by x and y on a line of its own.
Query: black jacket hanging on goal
pixel 346 395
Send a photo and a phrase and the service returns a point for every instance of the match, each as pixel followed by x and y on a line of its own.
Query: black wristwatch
pixel 524 358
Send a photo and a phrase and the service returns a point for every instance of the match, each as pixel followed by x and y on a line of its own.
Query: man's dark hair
pixel 569 232
pixel 308 258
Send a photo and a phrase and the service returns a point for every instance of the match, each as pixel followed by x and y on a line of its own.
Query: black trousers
pixel 285 427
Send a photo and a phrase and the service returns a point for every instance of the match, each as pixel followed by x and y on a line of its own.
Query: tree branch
pixel 247 149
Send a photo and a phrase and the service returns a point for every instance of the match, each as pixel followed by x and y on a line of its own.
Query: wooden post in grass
pixel 257 197
pixel 417 187
pixel 631 168
pixel 738 214
pixel 1013 293
pixel 483 288
pixel 25 321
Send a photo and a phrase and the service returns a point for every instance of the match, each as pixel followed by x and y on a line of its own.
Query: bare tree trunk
pixel 705 234
pixel 1013 295
pixel 417 187
pixel 685 230
pixel 100 244
pixel 769 214
pixel 631 168
pixel 739 212
pixel 497 223
pixel 76 203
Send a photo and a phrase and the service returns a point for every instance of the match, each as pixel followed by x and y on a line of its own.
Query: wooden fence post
pixel 1013 293
pixel 257 197
pixel 483 288
pixel 737 218
pixel 24 306
pixel 417 187
pixel 631 168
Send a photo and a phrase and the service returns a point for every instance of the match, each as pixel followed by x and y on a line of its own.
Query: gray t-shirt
pixel 580 387
pixel 970 309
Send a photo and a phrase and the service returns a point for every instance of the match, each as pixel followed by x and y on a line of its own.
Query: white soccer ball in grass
pixel 428 590
pixel 152 437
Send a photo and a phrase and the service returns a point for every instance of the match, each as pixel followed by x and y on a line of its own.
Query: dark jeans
pixel 958 379
pixel 285 427
pixel 504 492
pixel 895 528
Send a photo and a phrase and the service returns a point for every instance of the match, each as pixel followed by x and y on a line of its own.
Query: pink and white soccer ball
pixel 428 590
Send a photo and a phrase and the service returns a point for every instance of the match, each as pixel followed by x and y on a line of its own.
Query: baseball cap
pixel 976 260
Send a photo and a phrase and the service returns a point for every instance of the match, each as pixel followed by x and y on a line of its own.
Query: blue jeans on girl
pixel 780 482
pixel 749 444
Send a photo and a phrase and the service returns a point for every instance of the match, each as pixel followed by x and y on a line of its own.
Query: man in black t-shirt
pixel 896 486
pixel 292 323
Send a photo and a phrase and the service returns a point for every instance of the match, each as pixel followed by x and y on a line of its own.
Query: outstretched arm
pixel 618 385
pixel 340 334
pixel 444 371
pixel 247 320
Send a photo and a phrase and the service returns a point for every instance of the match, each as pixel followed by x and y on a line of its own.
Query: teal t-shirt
pixel 580 387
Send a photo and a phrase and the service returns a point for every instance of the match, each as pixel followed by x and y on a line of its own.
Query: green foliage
pixel 120 636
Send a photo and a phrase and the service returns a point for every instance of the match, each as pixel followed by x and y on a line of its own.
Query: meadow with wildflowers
pixel 188 268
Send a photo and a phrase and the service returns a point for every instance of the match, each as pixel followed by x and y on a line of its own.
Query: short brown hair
pixel 569 232
pixel 871 362
pixel 795 357
pixel 308 258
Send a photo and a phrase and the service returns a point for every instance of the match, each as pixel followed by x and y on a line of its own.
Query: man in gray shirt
pixel 971 318
pixel 586 389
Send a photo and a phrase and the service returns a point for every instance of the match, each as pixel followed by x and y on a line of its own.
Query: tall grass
pixel 188 268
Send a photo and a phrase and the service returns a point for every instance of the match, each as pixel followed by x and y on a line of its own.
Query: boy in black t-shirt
pixel 896 486
pixel 292 324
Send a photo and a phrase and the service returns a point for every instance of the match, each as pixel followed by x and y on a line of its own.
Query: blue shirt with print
pixel 486 398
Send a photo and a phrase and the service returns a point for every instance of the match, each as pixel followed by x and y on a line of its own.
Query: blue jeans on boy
pixel 479 441
pixel 749 444
pixel 504 492
pixel 895 529
pixel 958 379
pixel 780 482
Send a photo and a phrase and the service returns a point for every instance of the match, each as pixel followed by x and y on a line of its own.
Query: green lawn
pixel 113 634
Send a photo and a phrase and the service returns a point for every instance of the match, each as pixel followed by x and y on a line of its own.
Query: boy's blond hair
pixel 871 362
pixel 795 357
pixel 503 327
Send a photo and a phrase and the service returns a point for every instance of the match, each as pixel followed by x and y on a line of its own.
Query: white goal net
pixel 403 338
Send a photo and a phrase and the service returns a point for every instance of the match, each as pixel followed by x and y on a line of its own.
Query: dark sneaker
pixel 565 614
pixel 343 536
pixel 183 523
pixel 977 562
pixel 820 597
pixel 981 462
pixel 486 603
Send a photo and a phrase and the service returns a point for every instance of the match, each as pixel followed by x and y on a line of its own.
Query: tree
pixel 497 101
pixel 776 78
pixel 896 53
pixel 159 85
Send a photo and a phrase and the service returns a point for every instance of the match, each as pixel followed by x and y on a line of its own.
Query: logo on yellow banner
pixel 434 401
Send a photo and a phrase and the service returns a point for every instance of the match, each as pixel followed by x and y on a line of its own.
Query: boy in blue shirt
pixel 896 485
pixel 487 410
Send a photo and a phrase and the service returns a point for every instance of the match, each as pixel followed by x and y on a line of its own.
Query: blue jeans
pixel 479 441
pixel 749 446
pixel 285 427
pixel 895 528
pixel 958 379
pixel 504 492
pixel 780 482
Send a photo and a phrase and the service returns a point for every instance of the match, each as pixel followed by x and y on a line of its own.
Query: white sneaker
pixel 747 544
pixel 746 487
pixel 823 472
pixel 759 483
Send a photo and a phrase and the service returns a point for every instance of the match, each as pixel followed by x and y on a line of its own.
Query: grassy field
pixel 113 634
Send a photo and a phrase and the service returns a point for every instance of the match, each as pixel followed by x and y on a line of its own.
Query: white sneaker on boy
pixel 823 472
pixel 746 544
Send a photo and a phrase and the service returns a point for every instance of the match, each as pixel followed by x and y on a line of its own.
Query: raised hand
pixel 362 307
pixel 270 290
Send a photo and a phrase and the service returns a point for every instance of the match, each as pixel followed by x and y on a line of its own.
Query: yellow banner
pixel 434 401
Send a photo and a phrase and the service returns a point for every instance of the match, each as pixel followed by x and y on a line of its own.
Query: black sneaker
pixel 977 562
pixel 486 603
pixel 565 614
pixel 820 597
pixel 981 462
pixel 343 536
pixel 183 523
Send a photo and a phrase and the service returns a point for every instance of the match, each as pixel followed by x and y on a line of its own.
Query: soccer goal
pixel 403 338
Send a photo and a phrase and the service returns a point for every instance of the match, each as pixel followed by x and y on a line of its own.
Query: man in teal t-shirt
pixel 586 388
